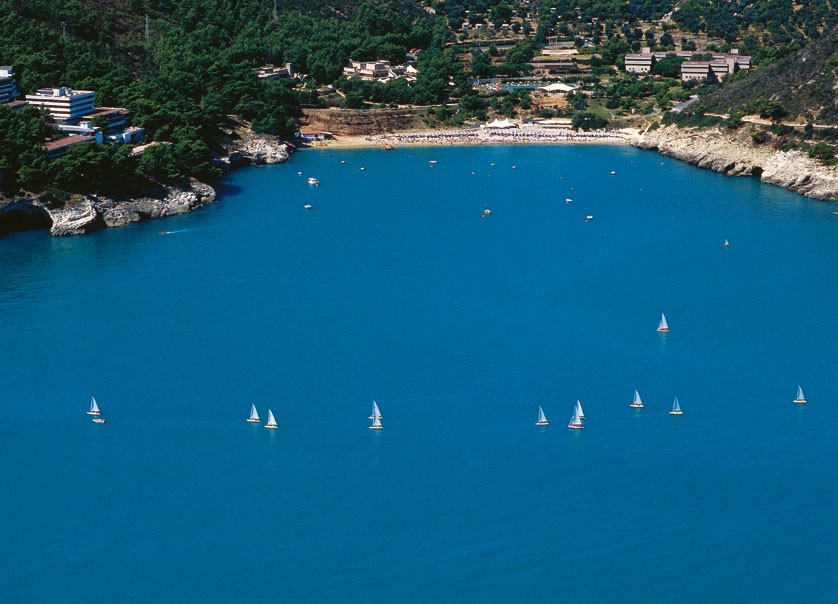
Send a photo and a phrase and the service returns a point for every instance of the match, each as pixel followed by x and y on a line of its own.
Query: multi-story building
pixel 640 63
pixel 8 85
pixel 717 69
pixel 695 70
pixel 64 103
pixel 368 69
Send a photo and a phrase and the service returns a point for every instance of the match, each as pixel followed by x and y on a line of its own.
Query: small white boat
pixel 542 419
pixel 362 168
pixel 663 326
pixel 676 408
pixel 94 407
pixel 492 164
pixel 254 415
pixel 99 420
pixel 343 161
pixel 313 181
pixel 375 410
pixel 588 218
pixel 514 167
pixel 579 410
pixel 299 173
pixel 307 206
pixel 432 163
pixel 613 172
pixel 487 212
pixel 568 200
pixel 271 423
pixel 799 399
pixel 575 421
pixel 376 418
pixel 726 243
pixel 637 403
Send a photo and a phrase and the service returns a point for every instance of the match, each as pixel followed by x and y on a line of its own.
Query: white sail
pixel 799 398
pixel 663 326
pixel 542 419
pixel 376 419
pixel 676 407
pixel 254 415
pixel 579 411
pixel 575 421
pixel 375 410
pixel 271 423
pixel 637 402
pixel 94 407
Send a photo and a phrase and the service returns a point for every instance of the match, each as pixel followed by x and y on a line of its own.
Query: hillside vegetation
pixel 803 83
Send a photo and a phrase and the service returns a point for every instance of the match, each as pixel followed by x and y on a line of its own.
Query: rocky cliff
pixel 735 154
pixel 86 213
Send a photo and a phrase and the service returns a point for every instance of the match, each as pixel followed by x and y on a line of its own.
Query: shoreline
pixel 467 138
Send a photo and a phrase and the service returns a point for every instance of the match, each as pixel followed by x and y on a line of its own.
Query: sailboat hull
pixel 253 421
pixel 271 427
pixel 93 412
pixel 676 413
pixel 376 427
pixel 635 406
pixel 799 401
pixel 542 423
pixel 575 426
pixel 663 329
pixel 98 420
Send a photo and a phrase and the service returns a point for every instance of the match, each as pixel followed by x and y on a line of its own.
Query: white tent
pixel 558 87
pixel 505 124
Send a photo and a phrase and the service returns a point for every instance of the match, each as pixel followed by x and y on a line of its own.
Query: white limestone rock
pixel 734 154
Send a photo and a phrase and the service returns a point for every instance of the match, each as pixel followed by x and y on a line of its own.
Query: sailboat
pixel 676 408
pixel 271 421
pixel 375 410
pixel 579 410
pixel 662 326
pixel 94 407
pixel 542 419
pixel 254 415
pixel 376 418
pixel 637 403
pixel 575 421
pixel 799 399
pixel 726 244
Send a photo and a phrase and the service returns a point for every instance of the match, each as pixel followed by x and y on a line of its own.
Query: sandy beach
pixel 513 136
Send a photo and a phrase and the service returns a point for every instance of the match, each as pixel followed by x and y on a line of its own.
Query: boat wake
pixel 181 231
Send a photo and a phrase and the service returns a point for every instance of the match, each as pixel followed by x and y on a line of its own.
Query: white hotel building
pixel 8 87
pixel 64 103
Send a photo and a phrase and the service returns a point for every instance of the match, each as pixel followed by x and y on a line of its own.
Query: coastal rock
pixel 256 149
pixel 76 217
pixel 734 154
pixel 177 200
pixel 22 214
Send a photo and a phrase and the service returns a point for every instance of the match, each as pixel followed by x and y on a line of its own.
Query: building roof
pixel 66 141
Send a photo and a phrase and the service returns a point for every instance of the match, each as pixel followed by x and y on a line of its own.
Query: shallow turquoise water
pixel 393 287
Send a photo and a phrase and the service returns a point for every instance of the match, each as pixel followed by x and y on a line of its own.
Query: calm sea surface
pixel 394 288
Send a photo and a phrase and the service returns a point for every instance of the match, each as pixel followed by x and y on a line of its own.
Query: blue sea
pixel 393 287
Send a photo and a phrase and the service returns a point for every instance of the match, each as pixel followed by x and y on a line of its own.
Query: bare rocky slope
pixel 735 154
pixel 362 123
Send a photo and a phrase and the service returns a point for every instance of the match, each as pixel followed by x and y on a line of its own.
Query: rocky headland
pixel 81 214
pixel 736 154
